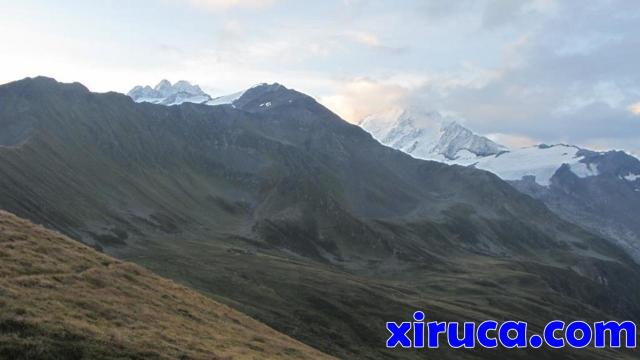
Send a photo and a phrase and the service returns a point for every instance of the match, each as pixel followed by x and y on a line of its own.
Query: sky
pixel 522 72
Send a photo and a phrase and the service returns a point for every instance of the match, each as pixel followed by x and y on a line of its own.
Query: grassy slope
pixel 62 300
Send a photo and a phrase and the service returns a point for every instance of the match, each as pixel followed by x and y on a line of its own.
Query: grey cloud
pixel 498 13
pixel 555 92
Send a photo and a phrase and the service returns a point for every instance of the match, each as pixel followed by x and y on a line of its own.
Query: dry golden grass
pixel 59 298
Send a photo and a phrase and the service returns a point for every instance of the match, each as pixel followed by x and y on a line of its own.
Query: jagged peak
pixel 183 83
pixel 165 93
pixel 163 84
pixel 455 138
pixel 428 134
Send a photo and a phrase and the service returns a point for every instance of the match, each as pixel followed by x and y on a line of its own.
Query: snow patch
pixel 225 100
pixel 539 161
pixel 583 170
pixel 632 177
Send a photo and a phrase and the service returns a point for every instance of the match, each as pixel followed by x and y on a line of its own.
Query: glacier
pixel 429 135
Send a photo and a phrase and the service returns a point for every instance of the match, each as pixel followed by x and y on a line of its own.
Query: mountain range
pixel 181 92
pixel 597 190
pixel 604 201
pixel 275 206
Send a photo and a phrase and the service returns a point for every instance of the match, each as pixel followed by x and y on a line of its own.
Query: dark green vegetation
pixel 62 300
pixel 301 220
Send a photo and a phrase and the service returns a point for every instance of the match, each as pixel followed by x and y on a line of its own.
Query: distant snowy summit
pixel 431 136
pixel 181 92
pixel 260 97
pixel 428 135
pixel 167 94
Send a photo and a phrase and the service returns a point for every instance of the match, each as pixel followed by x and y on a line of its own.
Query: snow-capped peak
pixel 163 87
pixel 165 93
pixel 455 138
pixel 186 87
pixel 428 135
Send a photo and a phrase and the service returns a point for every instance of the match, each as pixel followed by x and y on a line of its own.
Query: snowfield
pixel 432 136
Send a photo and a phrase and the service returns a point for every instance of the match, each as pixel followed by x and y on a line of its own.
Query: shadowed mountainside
pixel 607 203
pixel 300 219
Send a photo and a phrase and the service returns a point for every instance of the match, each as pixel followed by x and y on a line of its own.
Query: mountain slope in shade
pixel 604 196
pixel 301 220
pixel 597 190
pixel 63 300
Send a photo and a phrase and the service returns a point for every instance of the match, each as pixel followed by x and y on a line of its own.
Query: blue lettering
pixel 517 341
pixel 398 334
pixel 418 329
pixel 585 334
pixel 550 334
pixel 615 330
pixel 435 329
pixel 468 339
pixel 483 334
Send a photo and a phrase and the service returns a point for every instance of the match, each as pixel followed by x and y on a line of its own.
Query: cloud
pixel 364 38
pixel 217 5
pixel 498 13
pixel 356 98
pixel 569 76
pixel 372 41
pixel 635 108
pixel 512 141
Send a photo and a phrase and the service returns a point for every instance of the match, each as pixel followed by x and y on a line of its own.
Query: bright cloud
pixel 227 4
pixel 356 98
pixel 512 141
pixel 364 38
pixel 635 108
